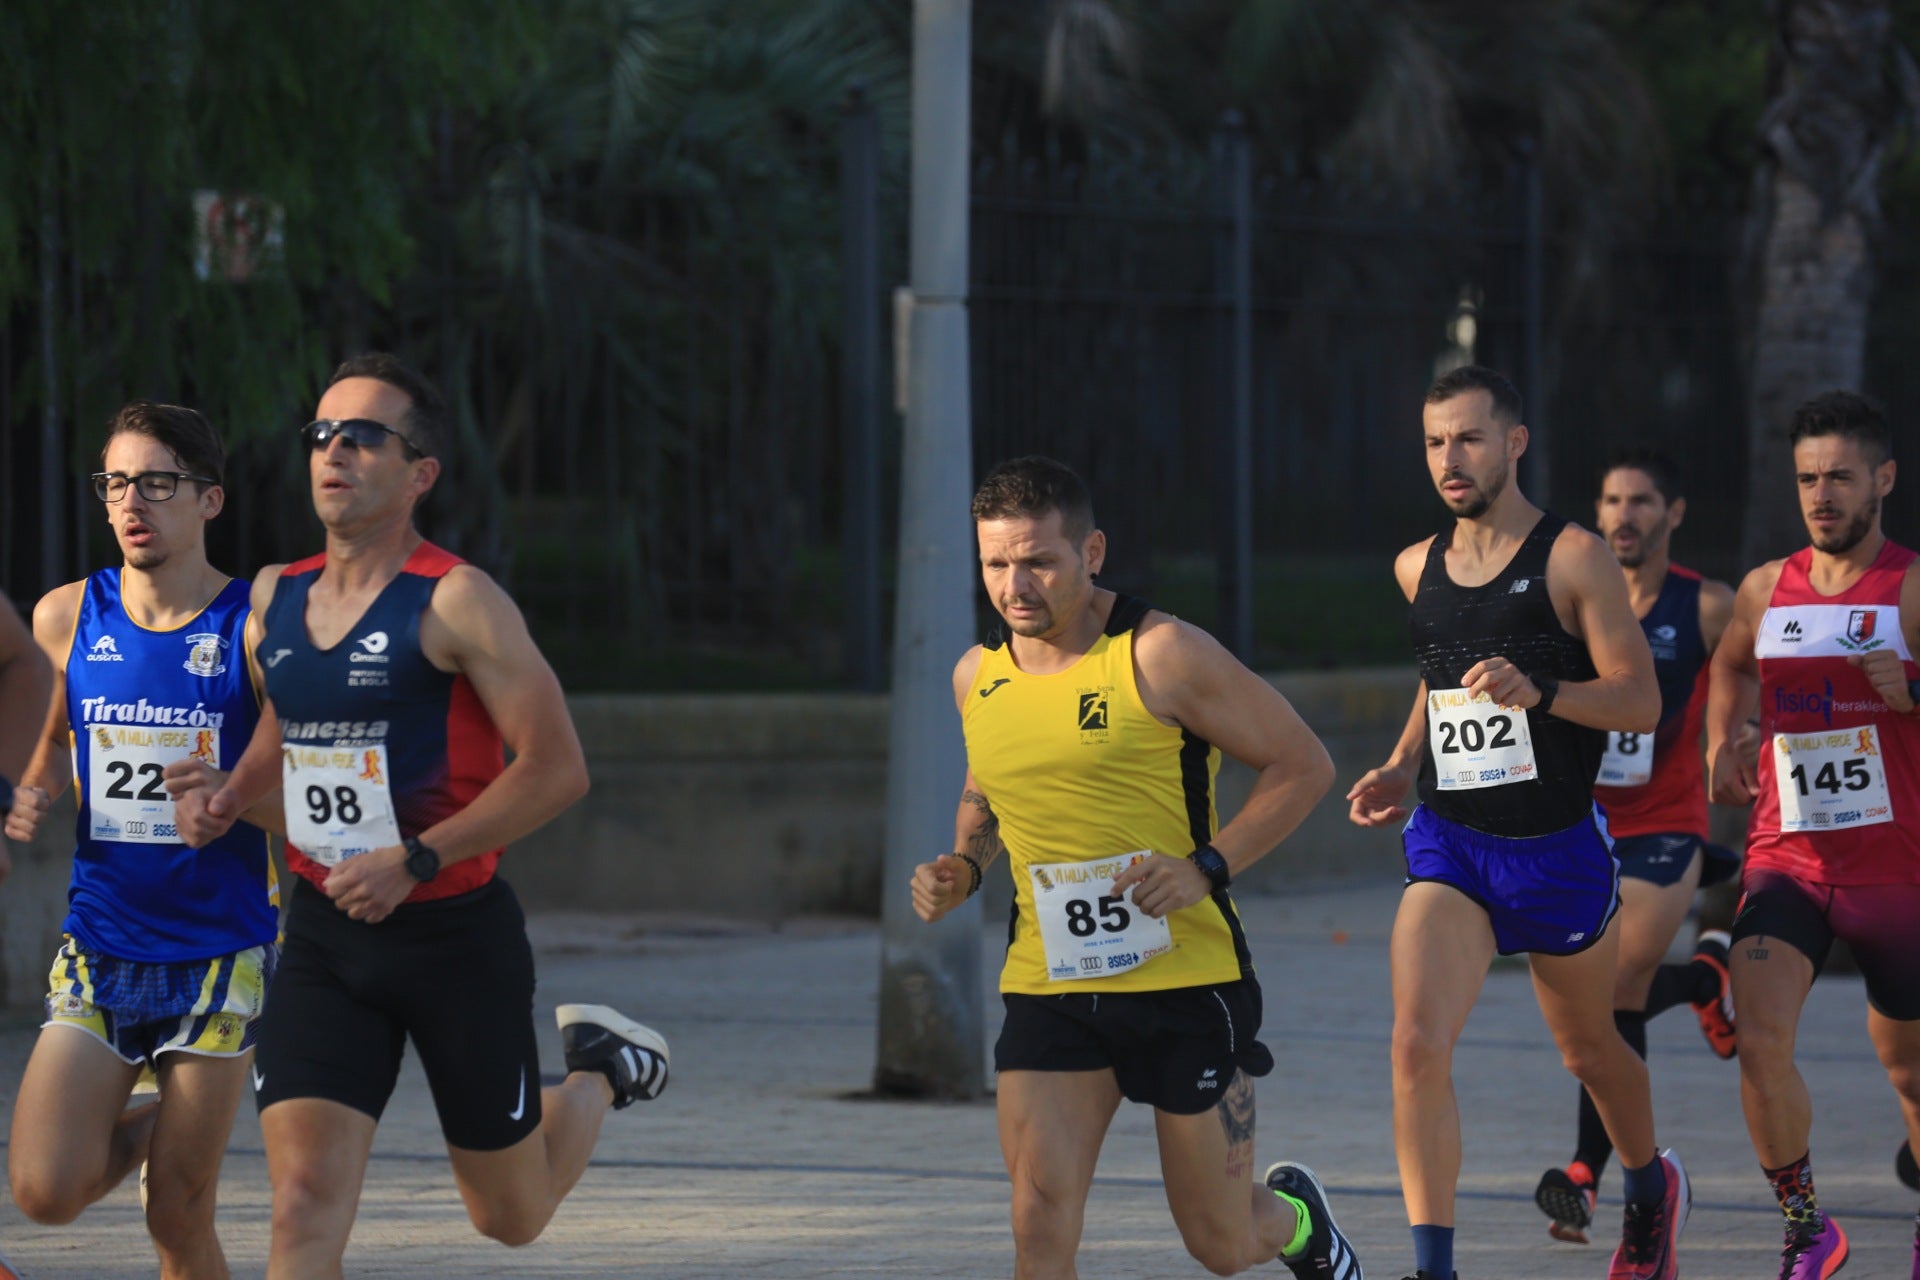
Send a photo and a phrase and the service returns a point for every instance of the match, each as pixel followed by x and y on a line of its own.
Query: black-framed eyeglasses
pixel 359 433
pixel 154 486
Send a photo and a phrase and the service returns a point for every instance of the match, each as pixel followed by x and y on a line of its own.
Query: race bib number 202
pixel 1477 742
pixel 1086 931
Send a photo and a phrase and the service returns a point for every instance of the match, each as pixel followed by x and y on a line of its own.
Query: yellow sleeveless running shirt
pixel 1079 771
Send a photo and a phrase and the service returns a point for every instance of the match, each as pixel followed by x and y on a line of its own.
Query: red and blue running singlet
pixel 378 743
pixel 1839 796
pixel 1655 783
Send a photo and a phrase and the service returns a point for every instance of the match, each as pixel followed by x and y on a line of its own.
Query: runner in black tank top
pixel 1529 653
pixel 1512 615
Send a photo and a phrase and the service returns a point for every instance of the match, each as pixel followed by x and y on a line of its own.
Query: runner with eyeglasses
pixel 397 678
pixel 169 949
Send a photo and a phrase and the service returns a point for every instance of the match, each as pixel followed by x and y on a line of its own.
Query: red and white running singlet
pixel 1839 769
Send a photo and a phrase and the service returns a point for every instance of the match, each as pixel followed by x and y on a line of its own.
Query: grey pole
pixel 1532 363
pixel 931 1027
pixel 860 387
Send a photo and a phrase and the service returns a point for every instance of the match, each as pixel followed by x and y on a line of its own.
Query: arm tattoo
pixel 1236 1122
pixel 984 843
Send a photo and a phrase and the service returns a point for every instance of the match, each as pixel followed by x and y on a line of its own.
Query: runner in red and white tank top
pixel 1820 649
pixel 1839 775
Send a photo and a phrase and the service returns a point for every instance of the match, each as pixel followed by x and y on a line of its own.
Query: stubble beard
pixel 1854 534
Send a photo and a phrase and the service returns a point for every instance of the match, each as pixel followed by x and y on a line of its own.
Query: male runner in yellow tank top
pixel 1094 732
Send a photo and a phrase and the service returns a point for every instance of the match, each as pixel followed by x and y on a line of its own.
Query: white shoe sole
pixel 626 1028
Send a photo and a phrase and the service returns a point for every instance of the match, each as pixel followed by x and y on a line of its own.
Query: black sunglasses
pixel 359 433
pixel 154 486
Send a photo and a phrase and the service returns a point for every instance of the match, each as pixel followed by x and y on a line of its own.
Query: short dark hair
pixel 426 423
pixel 1032 486
pixel 1844 413
pixel 1507 405
pixel 1657 466
pixel 183 431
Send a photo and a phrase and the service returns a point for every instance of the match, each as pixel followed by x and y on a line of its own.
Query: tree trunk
pixel 1835 99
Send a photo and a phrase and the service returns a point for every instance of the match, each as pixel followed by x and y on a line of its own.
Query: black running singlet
pixel 1512 617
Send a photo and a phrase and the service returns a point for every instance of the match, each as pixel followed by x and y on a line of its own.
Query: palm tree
pixel 1840 88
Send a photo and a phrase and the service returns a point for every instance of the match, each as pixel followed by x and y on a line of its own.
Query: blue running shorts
pixel 1551 894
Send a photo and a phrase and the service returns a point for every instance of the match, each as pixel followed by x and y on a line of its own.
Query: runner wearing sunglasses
pixel 169 949
pixel 397 678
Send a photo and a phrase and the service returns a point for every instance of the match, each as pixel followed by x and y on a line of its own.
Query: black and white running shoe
pixel 1329 1254
pixel 632 1056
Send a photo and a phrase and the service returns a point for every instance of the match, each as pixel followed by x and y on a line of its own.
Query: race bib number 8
pixel 1087 932
pixel 337 800
pixel 1477 742
pixel 126 799
pixel 1831 781
pixel 1628 761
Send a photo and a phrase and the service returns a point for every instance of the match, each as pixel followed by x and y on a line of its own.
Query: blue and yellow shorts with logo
pixel 205 1007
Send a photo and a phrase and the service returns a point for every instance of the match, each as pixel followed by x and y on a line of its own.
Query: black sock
pixel 1594 1148
pixel 1691 983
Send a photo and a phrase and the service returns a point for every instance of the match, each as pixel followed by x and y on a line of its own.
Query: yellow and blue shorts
pixel 138 1010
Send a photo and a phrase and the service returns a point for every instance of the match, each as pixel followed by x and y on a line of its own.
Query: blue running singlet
pixel 136 701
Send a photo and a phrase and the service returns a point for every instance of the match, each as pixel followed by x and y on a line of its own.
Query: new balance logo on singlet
pixel 1520 585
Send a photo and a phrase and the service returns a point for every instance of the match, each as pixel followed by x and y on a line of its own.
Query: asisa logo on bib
pixel 206 654
pixel 104 650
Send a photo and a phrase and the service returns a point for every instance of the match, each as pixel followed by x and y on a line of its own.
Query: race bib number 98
pixel 1087 932
pixel 337 801
pixel 1831 781
pixel 1477 742
pixel 1628 761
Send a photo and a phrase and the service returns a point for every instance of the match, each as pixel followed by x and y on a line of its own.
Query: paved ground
pixel 761 1161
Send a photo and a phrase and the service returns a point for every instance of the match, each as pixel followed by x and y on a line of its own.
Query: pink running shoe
pixel 1650 1238
pixel 1814 1250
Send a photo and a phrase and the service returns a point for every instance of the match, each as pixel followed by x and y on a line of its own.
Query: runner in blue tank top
pixel 169 950
pixel 1529 652
pixel 397 678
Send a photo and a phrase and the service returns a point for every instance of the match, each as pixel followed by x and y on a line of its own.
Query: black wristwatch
pixel 1913 693
pixel 1208 859
pixel 422 863
pixel 1549 690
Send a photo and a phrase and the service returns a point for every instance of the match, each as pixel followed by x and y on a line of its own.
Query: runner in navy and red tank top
pixel 1821 647
pixel 1653 788
pixel 398 677
pixel 440 746
pixel 1529 655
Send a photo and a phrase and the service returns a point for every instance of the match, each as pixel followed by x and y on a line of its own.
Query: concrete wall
pixel 764 807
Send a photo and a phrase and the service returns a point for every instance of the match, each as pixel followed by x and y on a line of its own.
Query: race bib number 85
pixel 1087 932
pixel 1477 742
pixel 337 800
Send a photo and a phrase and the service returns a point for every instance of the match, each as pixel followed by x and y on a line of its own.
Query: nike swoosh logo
pixel 995 685
pixel 259 1081
pixel 520 1107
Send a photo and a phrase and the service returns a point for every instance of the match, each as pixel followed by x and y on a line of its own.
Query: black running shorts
pixel 454 975
pixel 1875 920
pixel 1176 1050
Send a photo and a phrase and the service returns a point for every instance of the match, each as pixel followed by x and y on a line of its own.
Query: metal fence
pixel 692 487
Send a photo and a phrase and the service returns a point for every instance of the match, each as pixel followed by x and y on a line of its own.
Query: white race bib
pixel 337 801
pixel 1477 742
pixel 1086 932
pixel 1831 781
pixel 125 797
pixel 1628 761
